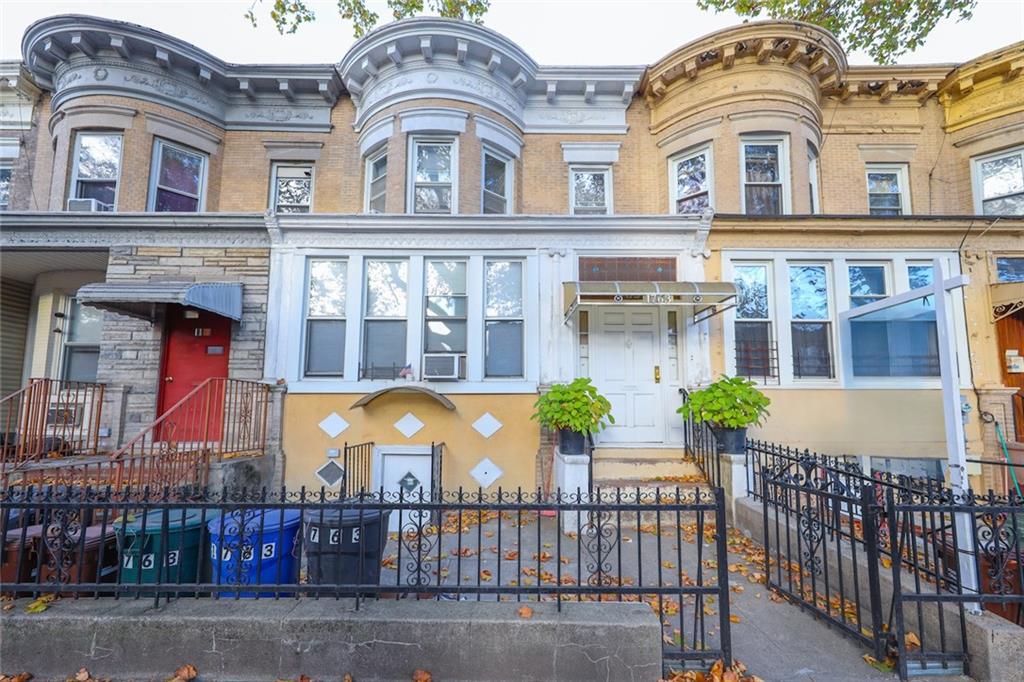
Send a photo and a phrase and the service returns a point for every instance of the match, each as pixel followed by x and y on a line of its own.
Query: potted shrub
pixel 729 406
pixel 575 410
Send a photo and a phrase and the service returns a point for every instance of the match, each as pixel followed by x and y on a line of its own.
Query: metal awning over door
pixel 706 298
pixel 1007 298
pixel 139 299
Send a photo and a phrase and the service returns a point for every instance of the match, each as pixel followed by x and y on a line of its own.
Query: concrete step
pixel 638 468
pixel 669 454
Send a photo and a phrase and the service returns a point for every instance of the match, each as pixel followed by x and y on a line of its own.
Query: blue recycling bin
pixel 252 547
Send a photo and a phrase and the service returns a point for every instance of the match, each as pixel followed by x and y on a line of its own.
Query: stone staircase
pixel 646 468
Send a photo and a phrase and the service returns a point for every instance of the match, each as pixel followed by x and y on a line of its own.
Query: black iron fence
pixel 619 546
pixel 892 561
pixel 701 444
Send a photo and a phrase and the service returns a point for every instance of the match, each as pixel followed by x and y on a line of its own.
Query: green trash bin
pixel 169 551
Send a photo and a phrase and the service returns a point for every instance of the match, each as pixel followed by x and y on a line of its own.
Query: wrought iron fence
pixel 701 444
pixel 667 549
pixel 358 468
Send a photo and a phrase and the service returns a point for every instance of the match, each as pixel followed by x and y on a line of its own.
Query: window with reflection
pixel 377 183
pixel 590 191
pixel 178 183
pixel 83 332
pixel 1010 269
pixel 496 188
pixel 433 176
pixel 97 168
pixel 384 319
pixel 813 178
pixel 445 309
pixel 999 183
pixel 868 283
pixel 901 341
pixel 293 188
pixel 503 318
pixel 920 275
pixel 756 352
pixel 5 186
pixel 325 317
pixel 764 180
pixel 811 321
pixel 888 189
pixel 691 184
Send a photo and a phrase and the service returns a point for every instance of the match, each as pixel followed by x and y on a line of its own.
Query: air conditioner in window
pixel 89 205
pixel 443 366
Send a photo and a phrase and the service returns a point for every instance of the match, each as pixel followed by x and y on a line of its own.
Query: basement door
pixel 625 366
pixel 404 469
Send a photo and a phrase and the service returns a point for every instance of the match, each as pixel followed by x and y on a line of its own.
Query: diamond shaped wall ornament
pixel 409 425
pixel 330 473
pixel 486 472
pixel 487 425
pixel 333 425
pixel 409 483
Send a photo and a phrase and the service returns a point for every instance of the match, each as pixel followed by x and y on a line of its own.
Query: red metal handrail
pixel 49 418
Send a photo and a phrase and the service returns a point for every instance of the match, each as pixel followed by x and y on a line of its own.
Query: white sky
pixel 551 31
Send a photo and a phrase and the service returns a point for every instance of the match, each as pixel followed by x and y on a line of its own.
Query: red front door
pixel 196 345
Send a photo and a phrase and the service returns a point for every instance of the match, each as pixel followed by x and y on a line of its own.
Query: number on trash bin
pixel 314 534
pixel 247 553
pixel 129 560
pixel 172 558
pixel 269 549
pixel 148 561
pixel 335 536
pixel 225 553
pixel 355 535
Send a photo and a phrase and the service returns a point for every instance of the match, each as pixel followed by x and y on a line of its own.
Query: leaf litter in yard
pixel 737 672
pixel 185 673
pixel 20 677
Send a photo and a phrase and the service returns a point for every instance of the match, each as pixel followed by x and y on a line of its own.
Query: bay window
pixel 325 317
pixel 434 172
pixel 888 189
pixel 445 319
pixel 376 183
pixel 82 342
pixel 384 319
pixel 496 188
pixel 811 323
pixel 765 176
pixel 999 183
pixel 97 168
pixel 178 179
pixel 691 175
pixel 756 353
pixel 503 318
pixel 590 191
pixel 292 188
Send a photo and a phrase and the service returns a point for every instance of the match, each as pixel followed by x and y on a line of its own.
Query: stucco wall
pixel 513 447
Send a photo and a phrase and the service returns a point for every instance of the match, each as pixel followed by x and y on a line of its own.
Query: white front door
pixel 406 470
pixel 626 351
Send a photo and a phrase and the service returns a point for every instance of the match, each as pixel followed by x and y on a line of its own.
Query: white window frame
pixel 814 177
pixel 887 278
pixel 709 165
pixel 368 198
pixel 307 317
pixel 73 188
pixel 591 170
pixel 412 293
pixel 154 173
pixel 276 167
pixel 768 265
pixel 488 318
pixel 509 177
pixel 463 354
pixel 9 167
pixel 414 142
pixel 67 346
pixel 784 173
pixel 902 172
pixel 899 261
pixel 976 184
pixel 830 319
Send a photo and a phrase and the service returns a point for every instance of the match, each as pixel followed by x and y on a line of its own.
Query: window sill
pixel 488 386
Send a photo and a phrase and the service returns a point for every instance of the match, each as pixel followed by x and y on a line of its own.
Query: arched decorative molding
pixel 430 58
pixel 376 134
pixel 408 389
pixel 176 131
pixel 77 116
pixel 433 120
pixel 984 89
pixel 776 121
pixel 498 135
pixel 75 56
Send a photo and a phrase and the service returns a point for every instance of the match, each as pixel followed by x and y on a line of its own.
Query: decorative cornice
pixel 75 55
pixel 442 58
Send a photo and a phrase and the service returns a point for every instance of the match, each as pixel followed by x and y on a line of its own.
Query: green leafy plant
pixel 576 406
pixel 730 403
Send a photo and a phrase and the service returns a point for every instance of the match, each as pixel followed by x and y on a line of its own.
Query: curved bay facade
pixel 428 233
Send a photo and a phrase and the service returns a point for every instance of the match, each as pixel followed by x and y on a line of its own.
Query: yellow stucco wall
pixel 513 447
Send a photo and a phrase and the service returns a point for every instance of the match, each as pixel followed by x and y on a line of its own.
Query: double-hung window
pixel 590 190
pixel 999 183
pixel 496 189
pixel 765 176
pixel 325 317
pixel 811 320
pixel 756 352
pixel 813 178
pixel 503 318
pixel 888 189
pixel 869 282
pixel 384 319
pixel 920 275
pixel 82 342
pixel 97 168
pixel 691 176
pixel 445 317
pixel 292 188
pixel 178 181
pixel 5 185
pixel 434 171
pixel 377 182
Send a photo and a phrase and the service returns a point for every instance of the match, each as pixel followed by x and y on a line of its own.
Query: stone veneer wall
pixel 131 349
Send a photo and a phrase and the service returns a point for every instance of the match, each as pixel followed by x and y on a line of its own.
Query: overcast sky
pixel 551 31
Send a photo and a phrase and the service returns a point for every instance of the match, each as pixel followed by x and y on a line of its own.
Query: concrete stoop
pixel 641 465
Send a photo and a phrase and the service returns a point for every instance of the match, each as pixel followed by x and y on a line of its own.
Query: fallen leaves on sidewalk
pixel 737 672
pixel 41 604
pixel 886 666
pixel 83 675
pixel 185 673
pixel 525 612
pixel 20 677
pixel 306 678
pixel 422 676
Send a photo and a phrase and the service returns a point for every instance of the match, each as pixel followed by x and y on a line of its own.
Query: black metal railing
pixel 608 545
pixel 701 445
pixel 758 361
pixel 358 463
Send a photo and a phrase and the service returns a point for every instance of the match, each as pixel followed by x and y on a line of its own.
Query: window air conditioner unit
pixel 442 366
pixel 88 205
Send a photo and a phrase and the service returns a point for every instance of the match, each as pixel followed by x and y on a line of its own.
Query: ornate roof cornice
pixel 75 55
pixel 1006 63
pixel 430 57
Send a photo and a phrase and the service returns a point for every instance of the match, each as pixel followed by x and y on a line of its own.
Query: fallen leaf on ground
pixel 911 640
pixel 525 612
pixel 419 675
pixel 20 677
pixel 185 673
pixel 82 675
pixel 734 618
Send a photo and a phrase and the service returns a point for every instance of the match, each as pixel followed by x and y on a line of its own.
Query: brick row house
pixel 407 246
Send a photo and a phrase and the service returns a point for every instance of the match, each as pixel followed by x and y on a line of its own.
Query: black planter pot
pixel 731 441
pixel 571 442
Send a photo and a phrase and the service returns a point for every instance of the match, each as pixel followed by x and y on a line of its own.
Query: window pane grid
pixel 503 319
pixel 433 177
pixel 326 295
pixel 293 189
pixel 810 327
pixel 384 325
pixel 590 191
